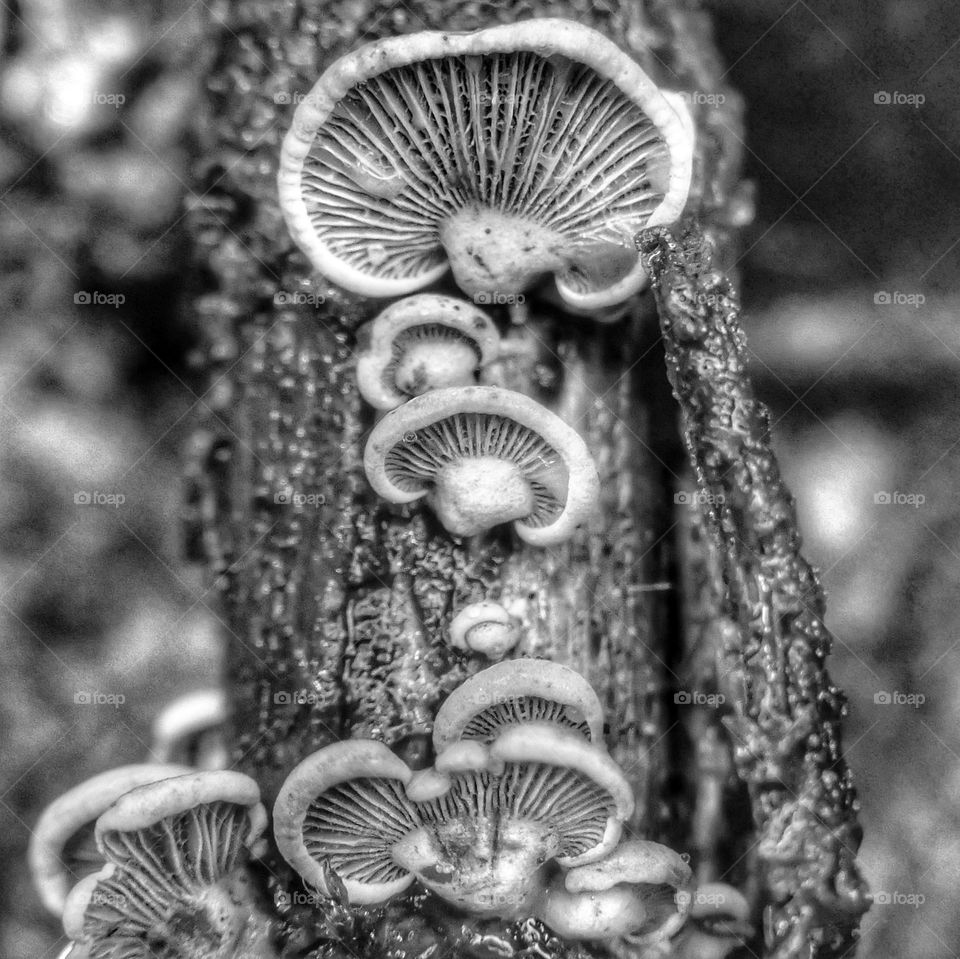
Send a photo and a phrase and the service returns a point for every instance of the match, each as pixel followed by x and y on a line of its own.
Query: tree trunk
pixel 337 604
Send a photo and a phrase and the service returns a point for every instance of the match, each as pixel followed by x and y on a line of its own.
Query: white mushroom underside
pixel 358 824
pixel 482 470
pixel 508 165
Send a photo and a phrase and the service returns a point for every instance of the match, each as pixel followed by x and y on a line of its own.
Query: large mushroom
pixel 480 830
pixel 518 691
pixel 508 153
pixel 483 456
pixel 641 890
pixel 61 847
pixel 421 343
pixel 175 881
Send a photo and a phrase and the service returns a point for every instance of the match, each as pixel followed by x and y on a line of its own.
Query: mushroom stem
pixel 494 254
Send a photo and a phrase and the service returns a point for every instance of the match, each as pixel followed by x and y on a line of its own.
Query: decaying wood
pixel 788 713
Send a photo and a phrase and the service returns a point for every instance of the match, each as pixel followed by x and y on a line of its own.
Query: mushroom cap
pixel 540 742
pixel 485 455
pixel 639 890
pixel 187 717
pixel 422 330
pixel 523 141
pixel 147 805
pixel 175 853
pixel 518 691
pixel 69 813
pixel 369 778
pixel 718 899
pixel 633 861
pixel 484 627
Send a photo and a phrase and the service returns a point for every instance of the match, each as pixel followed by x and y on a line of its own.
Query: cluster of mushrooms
pixel 503 155
pixel 523 814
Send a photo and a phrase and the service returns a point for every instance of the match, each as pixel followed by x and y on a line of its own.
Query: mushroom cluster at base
pixel 175 882
pixel 505 154
pixel 483 456
pixel 520 816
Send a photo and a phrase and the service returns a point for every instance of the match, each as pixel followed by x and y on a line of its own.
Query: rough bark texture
pixel 788 713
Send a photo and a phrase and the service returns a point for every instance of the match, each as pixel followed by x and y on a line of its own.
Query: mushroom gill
pixel 509 153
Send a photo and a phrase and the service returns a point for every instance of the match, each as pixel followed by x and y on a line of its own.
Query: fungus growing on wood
pixel 421 343
pixel 640 891
pixel 61 847
pixel 483 456
pixel 485 627
pixel 174 882
pixel 508 153
pixel 479 830
pixel 518 691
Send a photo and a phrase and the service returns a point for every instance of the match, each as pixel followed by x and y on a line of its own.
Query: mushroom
pixel 478 830
pixel 639 891
pixel 483 456
pixel 485 627
pixel 507 153
pixel 518 691
pixel 190 730
pixel 61 844
pixel 719 922
pixel 175 881
pixel 421 343
pixel 346 802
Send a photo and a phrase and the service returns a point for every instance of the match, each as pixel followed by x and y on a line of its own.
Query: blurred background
pixel 851 311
